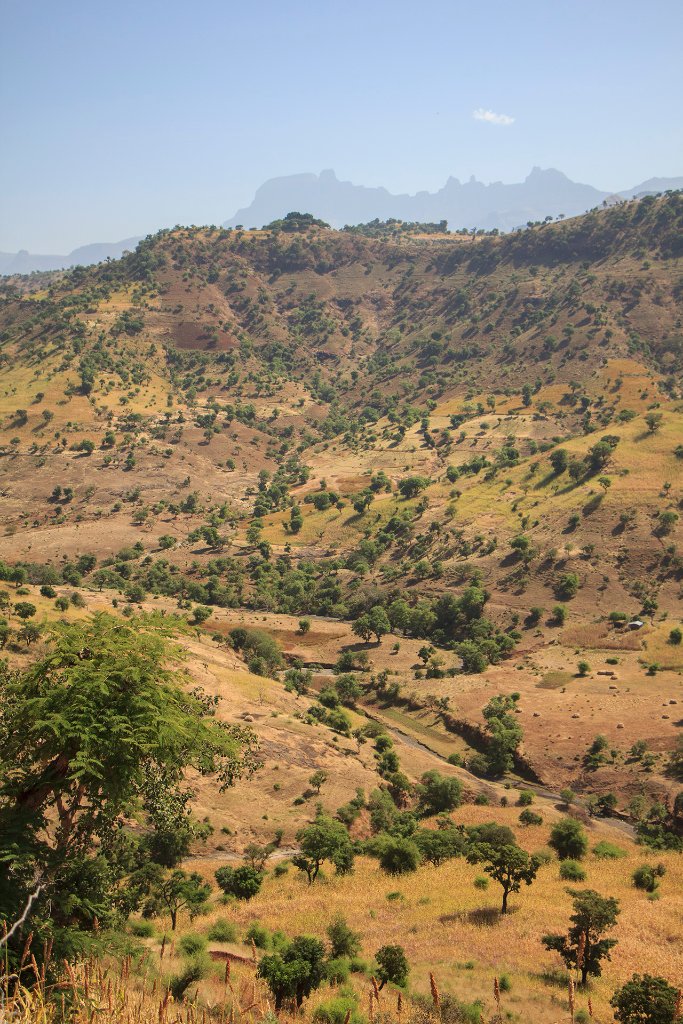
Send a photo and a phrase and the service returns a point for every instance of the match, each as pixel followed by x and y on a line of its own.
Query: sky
pixel 117 119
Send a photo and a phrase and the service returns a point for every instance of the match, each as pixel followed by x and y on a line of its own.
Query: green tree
pixel 172 891
pixel 296 519
pixel 654 421
pixel 243 882
pixel 324 839
pixel 584 947
pixel 411 486
pixel 343 940
pixel 24 609
pixel 568 839
pixel 392 966
pixel 437 793
pixel 318 779
pixel 399 856
pixel 85 733
pixel 507 864
pixel 645 999
pixel 362 627
pixel 559 460
pixel 294 972
pixel 378 622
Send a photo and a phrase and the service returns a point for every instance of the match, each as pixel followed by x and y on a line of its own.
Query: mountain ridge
pixel 544 192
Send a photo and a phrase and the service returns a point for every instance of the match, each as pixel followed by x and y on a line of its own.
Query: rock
pixel 576 716
pixel 620 725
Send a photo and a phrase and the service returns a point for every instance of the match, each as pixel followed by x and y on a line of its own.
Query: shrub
pixel 337 970
pixel 335 1011
pixel 242 882
pixel 141 929
pixel 645 1000
pixel 646 877
pixel 194 970
pixel 222 930
pixel 608 851
pixel 526 798
pixel 571 871
pixel 47 591
pixel 258 934
pixel 528 817
pixel 481 882
pixel 191 944
pixel 344 942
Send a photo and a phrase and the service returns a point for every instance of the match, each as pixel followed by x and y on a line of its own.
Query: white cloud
pixel 480 114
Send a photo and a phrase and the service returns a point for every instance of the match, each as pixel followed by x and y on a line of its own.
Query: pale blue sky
pixel 123 117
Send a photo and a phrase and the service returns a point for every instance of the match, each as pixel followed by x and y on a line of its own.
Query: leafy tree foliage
pixel 294 972
pixel 645 999
pixel 568 839
pixel 324 839
pixel 392 966
pixel 243 882
pixel 94 727
pixel 584 947
pixel 508 865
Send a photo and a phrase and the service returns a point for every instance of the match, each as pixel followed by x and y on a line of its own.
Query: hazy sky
pixel 118 118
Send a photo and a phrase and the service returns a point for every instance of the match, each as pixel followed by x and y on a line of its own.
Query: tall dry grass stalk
pixel 436 999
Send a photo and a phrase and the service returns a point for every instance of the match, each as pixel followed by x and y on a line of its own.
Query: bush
pixel 344 942
pixel 526 798
pixel 258 934
pixel 399 857
pixel 337 970
pixel 222 930
pixel 571 871
pixel 194 970
pixel 646 877
pixel 608 851
pixel 141 929
pixel 242 883
pixel 528 817
pixel 645 1000
pixel 191 944
pixel 568 839
pixel 481 882
pixel 334 1011
pixel 47 591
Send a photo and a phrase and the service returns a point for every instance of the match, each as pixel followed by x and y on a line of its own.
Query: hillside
pixel 409 505
pixel 163 415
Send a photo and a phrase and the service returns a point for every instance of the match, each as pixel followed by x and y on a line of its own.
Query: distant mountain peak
pixel 544 192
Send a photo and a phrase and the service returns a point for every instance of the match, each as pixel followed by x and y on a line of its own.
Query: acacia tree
pixel 508 865
pixel 584 946
pixel 86 732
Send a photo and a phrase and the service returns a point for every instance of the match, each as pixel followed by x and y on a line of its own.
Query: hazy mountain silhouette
pixel 470 204
pixel 24 262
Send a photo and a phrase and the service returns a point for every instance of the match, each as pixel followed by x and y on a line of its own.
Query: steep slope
pixel 234 418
